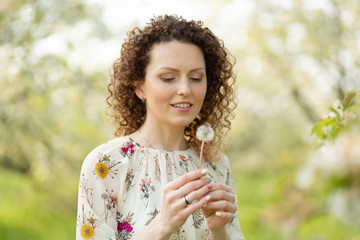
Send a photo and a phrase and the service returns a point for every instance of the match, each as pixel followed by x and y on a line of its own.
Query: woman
pixel 172 76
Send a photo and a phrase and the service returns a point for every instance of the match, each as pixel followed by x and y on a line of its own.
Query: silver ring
pixel 186 198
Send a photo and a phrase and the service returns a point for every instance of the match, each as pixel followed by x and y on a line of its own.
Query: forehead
pixel 176 54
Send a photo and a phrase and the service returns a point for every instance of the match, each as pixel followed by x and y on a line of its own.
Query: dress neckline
pixel 158 150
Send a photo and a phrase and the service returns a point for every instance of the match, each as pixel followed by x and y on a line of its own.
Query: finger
pixel 196 206
pixel 193 197
pixel 224 206
pixel 200 193
pixel 188 177
pixel 192 186
pixel 222 195
pixel 225 215
pixel 219 186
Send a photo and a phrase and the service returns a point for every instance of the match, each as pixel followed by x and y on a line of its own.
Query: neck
pixel 160 136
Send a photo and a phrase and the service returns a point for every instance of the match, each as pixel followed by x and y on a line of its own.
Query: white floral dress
pixel 120 190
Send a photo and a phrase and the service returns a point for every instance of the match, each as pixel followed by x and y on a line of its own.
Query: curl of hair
pixel 127 110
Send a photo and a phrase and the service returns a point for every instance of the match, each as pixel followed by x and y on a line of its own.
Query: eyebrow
pixel 177 70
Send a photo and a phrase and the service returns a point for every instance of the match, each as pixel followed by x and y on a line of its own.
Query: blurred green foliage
pixel 340 117
pixel 291 62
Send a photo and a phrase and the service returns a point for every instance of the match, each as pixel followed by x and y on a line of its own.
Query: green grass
pixel 260 189
pixel 28 212
pixel 324 227
pixel 253 199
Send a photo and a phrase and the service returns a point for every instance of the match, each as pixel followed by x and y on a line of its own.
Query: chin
pixel 183 122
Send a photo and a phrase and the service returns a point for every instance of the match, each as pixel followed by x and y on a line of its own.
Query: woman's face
pixel 175 83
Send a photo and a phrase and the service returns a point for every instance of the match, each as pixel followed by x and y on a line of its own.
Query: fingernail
pixel 209 186
pixel 209 179
pixel 204 171
pixel 204 206
pixel 208 198
pixel 218 214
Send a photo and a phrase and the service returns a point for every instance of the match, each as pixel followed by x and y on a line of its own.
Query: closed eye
pixel 167 79
pixel 196 79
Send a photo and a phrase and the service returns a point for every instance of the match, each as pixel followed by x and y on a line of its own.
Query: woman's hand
pixel 219 210
pixel 175 211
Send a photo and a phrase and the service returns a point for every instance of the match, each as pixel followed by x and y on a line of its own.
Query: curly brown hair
pixel 126 108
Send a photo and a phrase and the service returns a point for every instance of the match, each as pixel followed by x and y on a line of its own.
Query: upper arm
pixel 99 186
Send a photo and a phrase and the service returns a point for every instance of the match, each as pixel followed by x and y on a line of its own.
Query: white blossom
pixel 336 104
pixel 332 115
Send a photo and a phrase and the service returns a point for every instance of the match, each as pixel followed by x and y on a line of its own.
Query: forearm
pixel 219 235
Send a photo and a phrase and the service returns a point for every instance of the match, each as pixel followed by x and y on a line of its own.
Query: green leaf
pixel 318 127
pixel 349 99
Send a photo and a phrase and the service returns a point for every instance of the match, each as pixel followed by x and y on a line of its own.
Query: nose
pixel 184 87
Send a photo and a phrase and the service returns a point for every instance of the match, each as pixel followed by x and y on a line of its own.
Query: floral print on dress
pixel 157 171
pixel 171 166
pixel 184 162
pixel 105 167
pixel 198 218
pixel 179 234
pixel 234 216
pixel 110 205
pixel 228 178
pixel 127 150
pixel 207 234
pixel 87 224
pixel 124 226
pixel 129 179
pixel 86 192
pixel 152 214
pixel 147 189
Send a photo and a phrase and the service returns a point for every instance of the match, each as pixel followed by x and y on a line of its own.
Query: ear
pixel 138 89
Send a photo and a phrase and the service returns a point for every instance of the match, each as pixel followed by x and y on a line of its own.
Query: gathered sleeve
pixel 223 171
pixel 101 189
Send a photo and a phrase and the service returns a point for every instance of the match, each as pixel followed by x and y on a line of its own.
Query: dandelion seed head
pixel 205 133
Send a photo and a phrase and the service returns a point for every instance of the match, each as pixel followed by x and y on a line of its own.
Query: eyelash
pixel 170 79
pixel 167 79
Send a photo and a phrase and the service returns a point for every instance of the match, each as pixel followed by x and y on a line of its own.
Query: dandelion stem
pixel 201 153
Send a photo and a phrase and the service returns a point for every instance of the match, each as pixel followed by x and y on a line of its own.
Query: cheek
pixel 203 91
pixel 155 92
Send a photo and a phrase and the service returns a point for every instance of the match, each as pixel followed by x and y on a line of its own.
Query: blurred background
pixel 294 59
